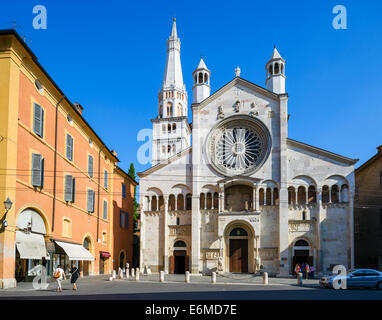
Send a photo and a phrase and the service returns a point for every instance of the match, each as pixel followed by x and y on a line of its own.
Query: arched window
pixel 238 232
pixel 303 215
pixel 270 69
pixel 177 221
pixel 344 193
pixel 268 199
pixel 161 203
pixel 154 203
pixel 67 228
pixel 291 195
pixel 168 149
pixel 301 195
pixel 160 111
pixel 180 203
pixel 171 202
pixel 188 201
pixel 174 127
pixel 122 260
pixel 205 78
pixel 164 128
pixel 277 68
pixel 169 109
pixel 325 194
pixel 173 148
pixel 301 243
pixel 209 200
pixel 202 201
pixel 179 110
pixel 276 196
pixel 195 79
pixel 180 244
pixel 200 77
pixel 261 196
pixel 87 243
pixel 216 200
pixel 312 194
pixel 334 194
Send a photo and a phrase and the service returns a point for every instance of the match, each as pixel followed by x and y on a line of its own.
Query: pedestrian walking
pixel 59 275
pixel 297 269
pixel 307 271
pixel 303 269
pixel 312 271
pixel 75 273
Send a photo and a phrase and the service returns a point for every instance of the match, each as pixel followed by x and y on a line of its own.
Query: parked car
pixel 360 278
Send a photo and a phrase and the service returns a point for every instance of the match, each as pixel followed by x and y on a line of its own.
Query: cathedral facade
pixel 244 197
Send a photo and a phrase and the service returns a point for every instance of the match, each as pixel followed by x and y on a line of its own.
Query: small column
pixel 254 207
pixel 257 199
pixel 307 196
pixel 149 204
pixel 205 201
pixel 330 195
pixel 265 197
pixel 272 197
pixel 185 202
pixel 165 240
pixel 176 202
pixel 223 201
pixel 339 195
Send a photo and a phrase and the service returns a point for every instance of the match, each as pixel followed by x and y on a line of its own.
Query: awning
pixel 31 245
pixel 75 251
pixel 105 254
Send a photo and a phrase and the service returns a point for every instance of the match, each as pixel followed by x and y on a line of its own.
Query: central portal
pixel 238 255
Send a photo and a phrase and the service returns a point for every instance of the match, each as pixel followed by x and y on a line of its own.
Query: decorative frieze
pixel 181 230
pixel 301 225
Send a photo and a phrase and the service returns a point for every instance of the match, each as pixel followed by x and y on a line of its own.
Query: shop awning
pixel 30 245
pixel 75 251
pixel 105 254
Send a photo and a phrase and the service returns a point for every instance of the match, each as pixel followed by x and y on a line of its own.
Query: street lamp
pixel 7 205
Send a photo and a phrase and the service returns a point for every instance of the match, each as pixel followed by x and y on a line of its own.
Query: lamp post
pixel 7 205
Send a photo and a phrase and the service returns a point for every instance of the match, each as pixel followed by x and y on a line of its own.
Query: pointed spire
pixel 201 64
pixel 276 54
pixel 174 33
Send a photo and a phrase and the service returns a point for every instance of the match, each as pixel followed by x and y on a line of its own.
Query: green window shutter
pixel 90 166
pixel 69 147
pixel 73 190
pixel 36 170
pixel 105 209
pixel 42 123
pixel 38 113
pixel 89 201
pixel 105 179
pixel 68 188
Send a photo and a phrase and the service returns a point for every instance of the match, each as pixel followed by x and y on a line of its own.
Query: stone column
pixel 195 247
pixel 330 195
pixel 176 202
pixel 205 201
pixel 306 196
pixel 339 196
pixel 185 202
pixel 284 268
pixel 271 196
pixel 165 235
pixel 254 207
pixel 351 229
pixel 257 199
pixel 318 265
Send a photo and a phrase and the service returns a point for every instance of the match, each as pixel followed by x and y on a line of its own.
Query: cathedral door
pixel 179 261
pixel 238 255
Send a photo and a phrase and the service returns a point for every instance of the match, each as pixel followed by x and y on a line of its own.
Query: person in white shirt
pixel 59 275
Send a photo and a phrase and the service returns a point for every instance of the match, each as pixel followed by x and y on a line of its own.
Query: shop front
pixel 31 251
pixel 104 257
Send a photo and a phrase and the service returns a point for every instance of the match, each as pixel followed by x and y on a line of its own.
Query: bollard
pixel 127 273
pixel 299 279
pixel 161 276
pixel 111 278
pixel 265 278
pixel 213 277
pixel 114 274
pixel 120 274
pixel 187 277
pixel 132 272
pixel 137 275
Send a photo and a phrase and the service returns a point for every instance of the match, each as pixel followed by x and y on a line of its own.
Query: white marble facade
pixel 244 197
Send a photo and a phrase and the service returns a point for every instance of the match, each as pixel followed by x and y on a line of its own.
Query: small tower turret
pixel 201 89
pixel 275 73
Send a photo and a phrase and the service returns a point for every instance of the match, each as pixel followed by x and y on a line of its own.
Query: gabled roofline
pixel 369 162
pixel 126 175
pixel 234 81
pixel 322 152
pixel 164 163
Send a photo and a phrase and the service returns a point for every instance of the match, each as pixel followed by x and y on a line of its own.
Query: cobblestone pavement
pixel 228 287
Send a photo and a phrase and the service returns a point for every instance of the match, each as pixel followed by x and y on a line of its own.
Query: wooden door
pixel 172 264
pixel 238 255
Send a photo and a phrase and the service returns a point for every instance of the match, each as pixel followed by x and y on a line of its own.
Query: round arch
pixel 87 267
pixel 40 212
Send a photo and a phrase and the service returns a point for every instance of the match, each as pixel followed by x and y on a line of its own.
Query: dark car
pixel 360 278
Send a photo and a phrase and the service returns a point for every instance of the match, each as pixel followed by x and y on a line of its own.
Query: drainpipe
pixel 99 187
pixel 55 162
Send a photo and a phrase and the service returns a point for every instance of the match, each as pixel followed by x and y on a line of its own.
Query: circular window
pixel 238 145
pixel 69 117
pixel 90 142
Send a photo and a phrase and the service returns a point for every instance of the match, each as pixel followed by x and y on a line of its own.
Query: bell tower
pixel 201 89
pixel 171 131
pixel 275 73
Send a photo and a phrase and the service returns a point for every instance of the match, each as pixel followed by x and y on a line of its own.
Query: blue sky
pixel 110 57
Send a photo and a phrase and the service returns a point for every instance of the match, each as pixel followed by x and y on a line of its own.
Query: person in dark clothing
pixel 75 273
